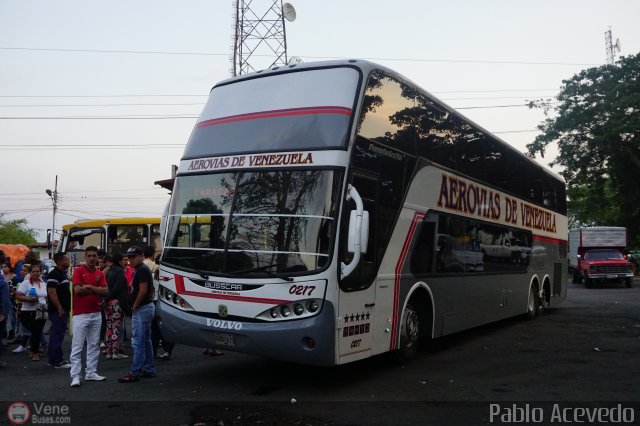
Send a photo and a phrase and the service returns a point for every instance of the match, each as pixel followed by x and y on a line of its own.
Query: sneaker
pixel 108 356
pixel 147 375
pixel 63 364
pixel 120 356
pixel 165 356
pixel 94 378
pixel 129 378
pixel 19 350
pixel 75 382
pixel 102 345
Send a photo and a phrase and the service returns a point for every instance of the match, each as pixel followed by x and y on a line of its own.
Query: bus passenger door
pixel 357 291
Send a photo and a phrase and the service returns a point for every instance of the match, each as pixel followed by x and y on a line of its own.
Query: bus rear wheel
pixel 410 331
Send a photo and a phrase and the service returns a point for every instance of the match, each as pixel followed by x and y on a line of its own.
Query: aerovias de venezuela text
pixel 258 160
pixel 466 197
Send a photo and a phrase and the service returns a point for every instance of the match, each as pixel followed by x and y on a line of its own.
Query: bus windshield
pixel 252 223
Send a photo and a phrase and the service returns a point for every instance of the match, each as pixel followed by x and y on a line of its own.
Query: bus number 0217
pixel 302 290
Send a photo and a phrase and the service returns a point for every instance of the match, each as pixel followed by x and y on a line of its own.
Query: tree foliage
pixel 16 232
pixel 596 127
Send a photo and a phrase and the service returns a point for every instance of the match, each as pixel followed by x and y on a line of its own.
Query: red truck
pixel 596 254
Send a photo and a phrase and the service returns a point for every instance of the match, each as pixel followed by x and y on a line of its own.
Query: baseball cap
pixel 134 251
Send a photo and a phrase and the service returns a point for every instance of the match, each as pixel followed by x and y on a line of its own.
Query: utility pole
pixel 611 48
pixel 54 198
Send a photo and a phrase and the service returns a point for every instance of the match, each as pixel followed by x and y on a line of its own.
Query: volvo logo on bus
pixel 228 325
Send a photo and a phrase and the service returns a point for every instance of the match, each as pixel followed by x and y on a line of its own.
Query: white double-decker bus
pixel 340 211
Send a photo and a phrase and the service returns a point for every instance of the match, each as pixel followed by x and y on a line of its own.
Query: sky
pixel 145 69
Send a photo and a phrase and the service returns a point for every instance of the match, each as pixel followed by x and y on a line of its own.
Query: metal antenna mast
pixel 259 38
pixel 611 48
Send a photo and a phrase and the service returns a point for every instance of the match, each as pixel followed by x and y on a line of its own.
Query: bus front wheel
pixel 409 333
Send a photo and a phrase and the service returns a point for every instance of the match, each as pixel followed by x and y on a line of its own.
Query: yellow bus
pixel 115 235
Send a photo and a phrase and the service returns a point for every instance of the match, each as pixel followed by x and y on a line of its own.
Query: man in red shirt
pixel 89 286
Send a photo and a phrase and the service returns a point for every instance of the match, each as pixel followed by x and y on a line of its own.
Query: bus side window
pixel 423 254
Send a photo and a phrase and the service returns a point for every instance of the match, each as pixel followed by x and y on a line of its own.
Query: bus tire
pixel 533 303
pixel 410 332
pixel 629 282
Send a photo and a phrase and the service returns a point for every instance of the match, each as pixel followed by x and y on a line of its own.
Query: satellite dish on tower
pixel 289 12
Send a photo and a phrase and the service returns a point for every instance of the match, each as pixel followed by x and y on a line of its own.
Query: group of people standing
pixel 90 287
pixel 28 292
pixel 95 292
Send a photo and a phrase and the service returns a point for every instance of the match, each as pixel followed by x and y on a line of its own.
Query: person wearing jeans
pixel 32 292
pixel 143 312
pixel 59 307
pixel 89 285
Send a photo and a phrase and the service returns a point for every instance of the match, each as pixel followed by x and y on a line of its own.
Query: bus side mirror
pixel 364 232
pixel 355 234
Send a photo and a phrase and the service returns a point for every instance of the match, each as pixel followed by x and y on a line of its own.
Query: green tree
pixel 596 126
pixel 16 232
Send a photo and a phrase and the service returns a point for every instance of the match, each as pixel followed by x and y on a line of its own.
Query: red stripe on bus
pixel 548 239
pixel 179 284
pixel 180 289
pixel 417 217
pixel 276 113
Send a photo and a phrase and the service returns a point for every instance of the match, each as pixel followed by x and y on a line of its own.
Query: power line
pixel 203 103
pixel 206 95
pixel 493 90
pixel 97 96
pixel 143 117
pixel 88 191
pixel 149 145
pixel 518 131
pixel 160 52
pixel 115 117
pixel 97 105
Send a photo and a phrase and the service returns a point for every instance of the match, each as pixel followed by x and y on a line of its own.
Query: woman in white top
pixel 32 292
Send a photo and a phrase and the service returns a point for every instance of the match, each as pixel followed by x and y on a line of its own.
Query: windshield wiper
pixel 266 270
pixel 190 264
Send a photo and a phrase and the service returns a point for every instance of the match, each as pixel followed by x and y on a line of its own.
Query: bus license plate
pixel 612 276
pixel 224 339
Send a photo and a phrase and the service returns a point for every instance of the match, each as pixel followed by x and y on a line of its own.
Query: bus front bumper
pixel 282 340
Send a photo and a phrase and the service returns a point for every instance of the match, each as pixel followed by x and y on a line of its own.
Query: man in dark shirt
pixel 143 311
pixel 5 303
pixel 59 296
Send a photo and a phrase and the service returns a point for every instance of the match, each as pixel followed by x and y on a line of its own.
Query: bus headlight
pixel 312 306
pixel 170 297
pixel 292 310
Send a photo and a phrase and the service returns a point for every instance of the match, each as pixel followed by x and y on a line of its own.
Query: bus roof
pixel 367 66
pixel 88 223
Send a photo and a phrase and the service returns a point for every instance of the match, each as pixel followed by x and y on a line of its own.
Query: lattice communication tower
pixel 611 48
pixel 259 39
